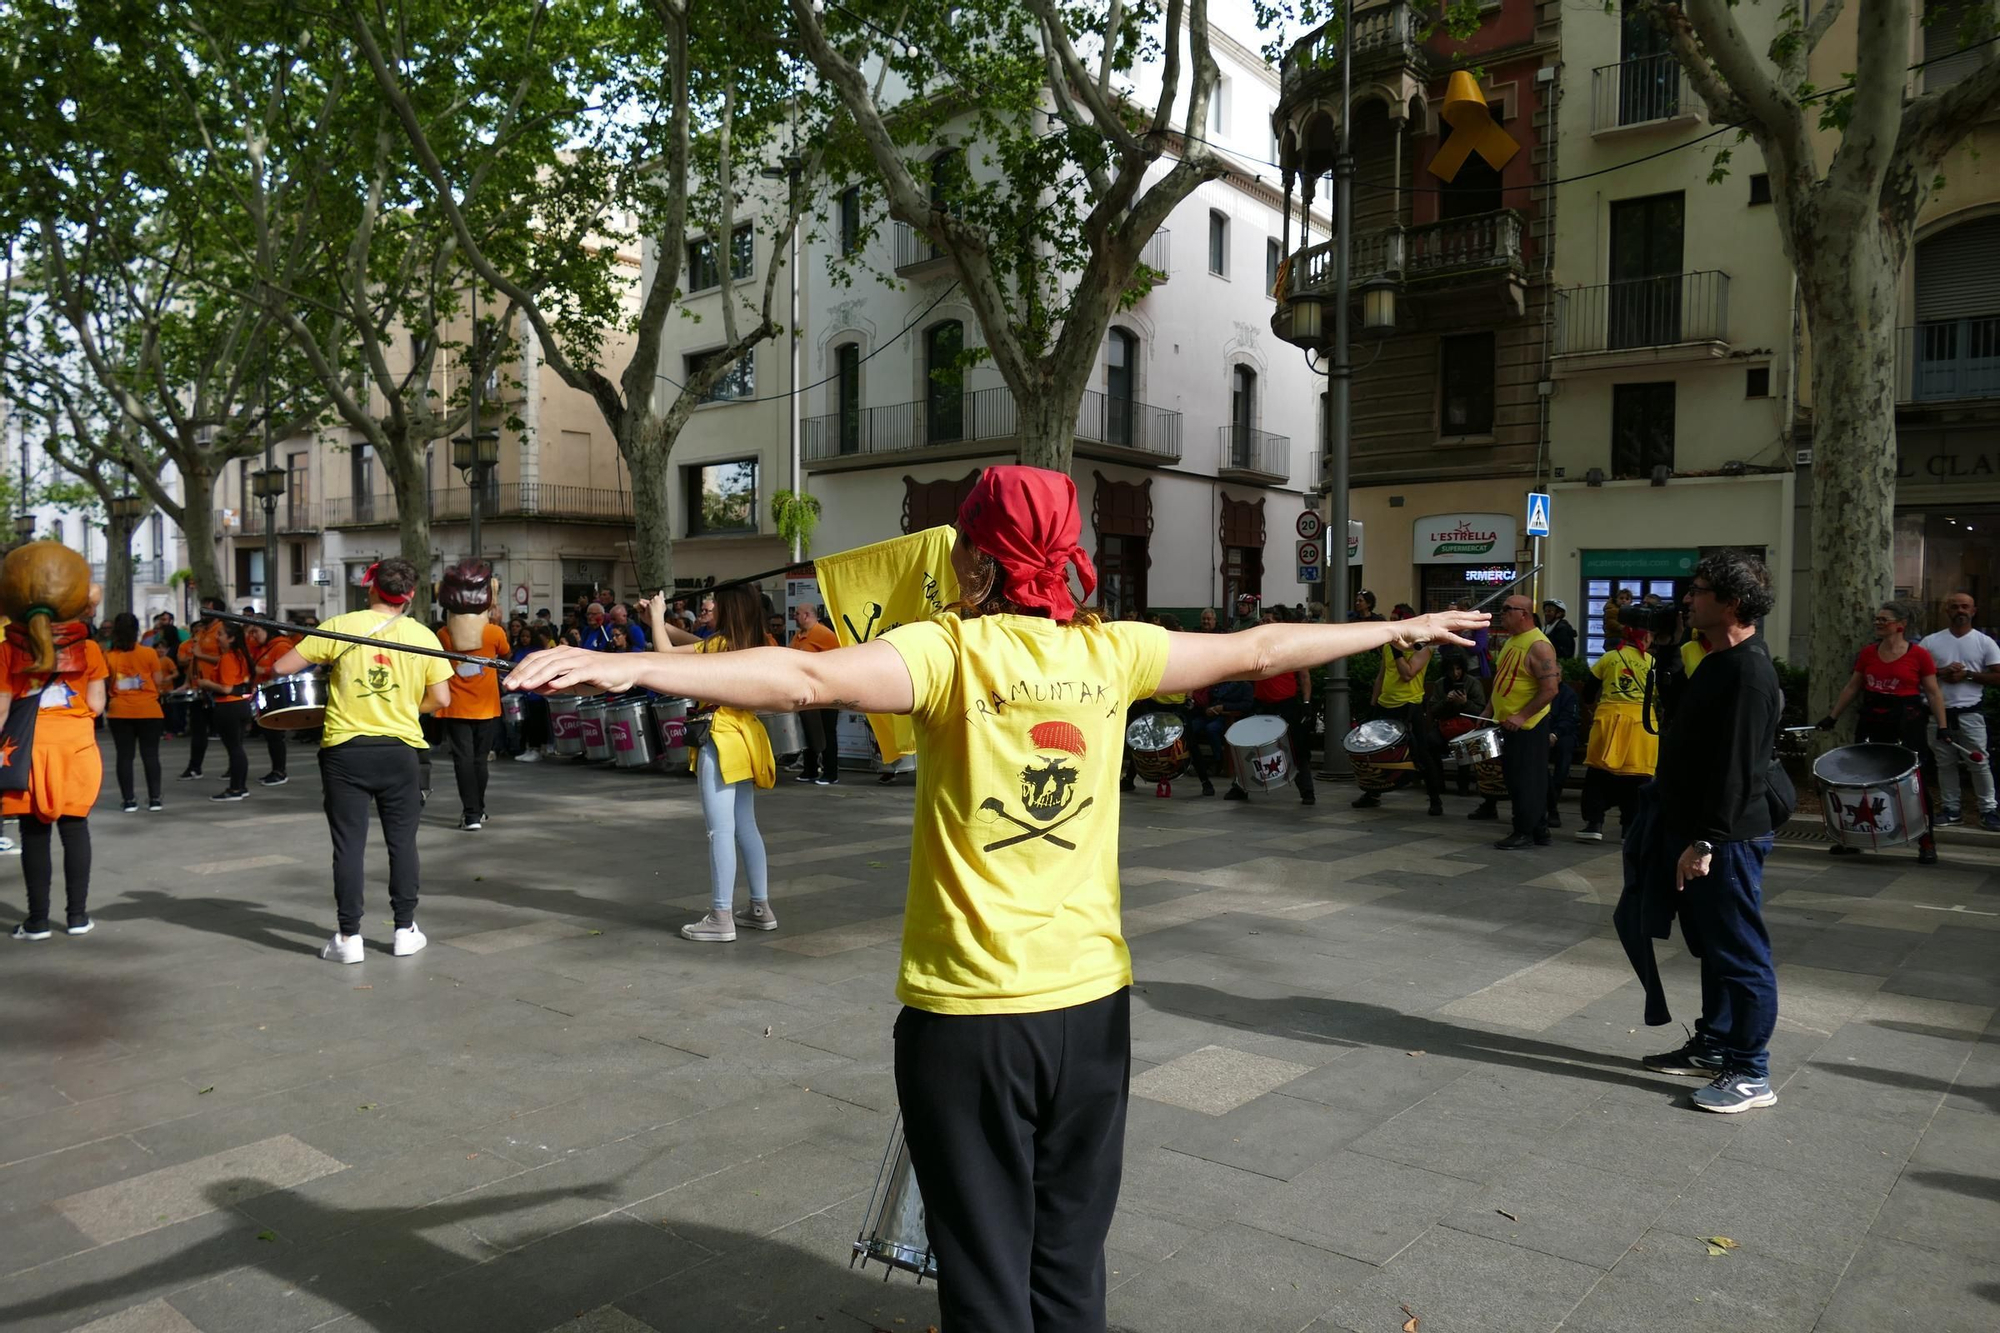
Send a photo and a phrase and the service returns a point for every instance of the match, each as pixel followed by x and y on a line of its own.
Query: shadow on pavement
pixel 1349 1023
pixel 235 918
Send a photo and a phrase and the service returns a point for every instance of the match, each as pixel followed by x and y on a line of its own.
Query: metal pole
pixel 270 508
pixel 1338 704
pixel 792 407
pixel 477 474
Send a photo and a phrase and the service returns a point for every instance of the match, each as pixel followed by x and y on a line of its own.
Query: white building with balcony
pixel 1194 446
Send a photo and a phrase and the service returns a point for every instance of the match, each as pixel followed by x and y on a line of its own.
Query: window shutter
pixel 1958 272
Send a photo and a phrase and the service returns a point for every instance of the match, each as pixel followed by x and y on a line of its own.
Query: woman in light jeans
pixel 729 767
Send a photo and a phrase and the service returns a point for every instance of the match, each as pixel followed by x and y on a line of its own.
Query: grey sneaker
pixel 1731 1092
pixel 758 916
pixel 1948 815
pixel 711 929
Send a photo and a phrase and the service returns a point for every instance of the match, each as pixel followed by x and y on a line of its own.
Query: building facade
pixel 1449 415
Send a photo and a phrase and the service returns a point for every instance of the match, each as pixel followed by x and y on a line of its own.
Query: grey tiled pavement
pixel 1380 1069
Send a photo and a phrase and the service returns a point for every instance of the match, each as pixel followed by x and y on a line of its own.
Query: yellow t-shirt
pixel 1623 672
pixel 1692 653
pixel 1513 683
pixel 375 691
pixel 1395 690
pixel 1014 904
pixel 742 746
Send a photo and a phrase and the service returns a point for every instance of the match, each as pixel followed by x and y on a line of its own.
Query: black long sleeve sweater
pixel 1715 756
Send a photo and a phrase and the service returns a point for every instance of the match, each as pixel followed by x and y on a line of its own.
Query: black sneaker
pixel 1839 849
pixel 1437 808
pixel 1926 854
pixel 229 795
pixel 273 780
pixel 887 779
pixel 82 925
pixel 1514 842
pixel 1555 820
pixel 1306 798
pixel 1235 793
pixel 1948 815
pixel 1367 800
pixel 130 807
pixel 1590 833
pixel 1207 787
pixel 806 778
pixel 153 806
pixel 190 774
pixel 471 823
pixel 1484 810
pixel 24 931
pixel 1696 1059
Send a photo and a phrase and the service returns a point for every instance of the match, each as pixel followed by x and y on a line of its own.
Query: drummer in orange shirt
pixel 138 678
pixel 66 768
pixel 230 689
pixel 201 656
pixel 266 648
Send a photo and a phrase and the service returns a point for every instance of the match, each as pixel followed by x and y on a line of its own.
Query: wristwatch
pixel 1703 848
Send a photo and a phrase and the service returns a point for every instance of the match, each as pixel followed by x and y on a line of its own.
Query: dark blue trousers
pixel 1722 919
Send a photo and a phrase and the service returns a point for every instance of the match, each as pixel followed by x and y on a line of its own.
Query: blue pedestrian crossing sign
pixel 1538 514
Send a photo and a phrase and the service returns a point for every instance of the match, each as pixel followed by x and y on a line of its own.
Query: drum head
pixel 1253 732
pixel 1864 765
pixel 1369 737
pixel 1154 731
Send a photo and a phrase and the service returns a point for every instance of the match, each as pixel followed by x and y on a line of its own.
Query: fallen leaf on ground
pixel 767 1032
pixel 876 865
pixel 364 987
pixel 267 1235
pixel 366 1106
pixel 597 932
pixel 1504 1213
pixel 1716 1252
pixel 1412 1053
pixel 1409 1326
pixel 1720 1242
pixel 205 1091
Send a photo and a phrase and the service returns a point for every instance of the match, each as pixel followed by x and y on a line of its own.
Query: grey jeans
pixel 1970 729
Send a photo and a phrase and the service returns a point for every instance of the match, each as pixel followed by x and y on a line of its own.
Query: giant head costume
pixel 468 594
pixel 44 589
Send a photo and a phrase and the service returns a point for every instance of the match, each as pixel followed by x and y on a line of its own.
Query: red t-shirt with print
pixel 1902 678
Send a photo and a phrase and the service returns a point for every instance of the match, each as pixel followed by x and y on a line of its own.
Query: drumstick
pixel 300 631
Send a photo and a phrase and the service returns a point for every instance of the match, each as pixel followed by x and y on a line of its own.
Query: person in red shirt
pixel 1896 682
pixel 265 650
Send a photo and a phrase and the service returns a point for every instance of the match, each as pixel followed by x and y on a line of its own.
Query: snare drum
pixel 1379 752
pixel 1260 750
pixel 590 719
pixel 1869 795
pixel 670 733
pixel 629 725
pixel 1476 746
pixel 787 733
pixel 566 725
pixel 290 703
pixel 892 1230
pixel 1159 746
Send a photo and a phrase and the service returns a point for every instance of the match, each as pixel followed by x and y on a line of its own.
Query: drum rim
pixel 1262 720
pixel 1165 720
pixel 1915 763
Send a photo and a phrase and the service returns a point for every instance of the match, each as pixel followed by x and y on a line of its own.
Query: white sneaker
pixel 8 847
pixel 342 949
pixel 408 940
pixel 528 757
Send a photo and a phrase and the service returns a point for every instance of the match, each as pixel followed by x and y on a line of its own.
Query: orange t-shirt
pixel 475 691
pixel 207 639
pixel 64 694
pixel 274 648
pixel 818 639
pixel 234 674
pixel 134 686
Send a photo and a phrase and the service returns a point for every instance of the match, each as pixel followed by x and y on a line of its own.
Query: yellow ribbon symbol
pixel 1473 130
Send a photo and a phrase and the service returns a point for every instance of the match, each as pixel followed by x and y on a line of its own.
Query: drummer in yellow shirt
pixel 1622 753
pixel 1399 694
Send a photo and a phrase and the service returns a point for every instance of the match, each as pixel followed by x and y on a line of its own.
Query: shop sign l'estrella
pixel 1472 129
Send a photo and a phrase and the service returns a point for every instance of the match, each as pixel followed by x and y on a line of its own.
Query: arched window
pixel 1242 416
pixel 847 396
pixel 1121 364
pixel 944 383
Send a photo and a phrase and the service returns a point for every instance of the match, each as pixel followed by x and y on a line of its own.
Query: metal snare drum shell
pixel 787 733
pixel 290 703
pixel 628 724
pixel 893 1230
pixel 566 725
pixel 1373 737
pixel 1478 744
pixel 1869 795
pixel 590 716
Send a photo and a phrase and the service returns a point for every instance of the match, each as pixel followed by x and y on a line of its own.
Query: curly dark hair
pixel 1737 576
pixel 395 577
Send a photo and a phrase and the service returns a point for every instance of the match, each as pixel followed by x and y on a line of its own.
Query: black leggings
pixel 274 745
pixel 142 733
pixel 232 717
pixel 470 740
pixel 38 867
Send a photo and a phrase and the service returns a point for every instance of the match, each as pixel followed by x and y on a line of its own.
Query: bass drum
pixel 1158 742
pixel 1870 795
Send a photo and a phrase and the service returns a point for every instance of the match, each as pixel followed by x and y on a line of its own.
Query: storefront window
pixel 1943 551
pixel 1444 585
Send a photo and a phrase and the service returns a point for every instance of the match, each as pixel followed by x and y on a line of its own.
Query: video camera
pixel 1662 622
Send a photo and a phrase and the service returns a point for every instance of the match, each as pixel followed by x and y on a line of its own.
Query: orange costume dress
pixel 66 769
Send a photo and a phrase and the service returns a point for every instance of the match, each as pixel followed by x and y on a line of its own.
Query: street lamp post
pixel 267 484
pixel 477 452
pixel 126 510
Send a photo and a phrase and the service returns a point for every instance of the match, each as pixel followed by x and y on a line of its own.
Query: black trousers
pixel 143 735
pixel 822 757
pixel 378 771
pixel 39 870
pixel 470 741
pixel 1426 746
pixel 1524 761
pixel 1562 755
pixel 232 719
pixel 1016 1127
pixel 1602 790
pixel 274 746
pixel 199 724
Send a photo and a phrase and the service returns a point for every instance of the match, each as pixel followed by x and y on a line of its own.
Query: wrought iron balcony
pixel 453 504
pixel 301 516
pixel 1254 453
pixel 1948 360
pixel 1437 252
pixel 1383 34
pixel 946 420
pixel 912 251
pixel 1651 90
pixel 1669 310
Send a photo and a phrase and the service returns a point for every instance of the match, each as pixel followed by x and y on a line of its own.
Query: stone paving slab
pixel 1377 1064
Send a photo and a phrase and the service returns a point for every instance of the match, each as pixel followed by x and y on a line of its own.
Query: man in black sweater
pixel 1711 832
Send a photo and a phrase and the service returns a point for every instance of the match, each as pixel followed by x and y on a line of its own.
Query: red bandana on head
pixel 368 581
pixel 1026 519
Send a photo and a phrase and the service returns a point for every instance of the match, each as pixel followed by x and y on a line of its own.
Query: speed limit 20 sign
pixel 1310 525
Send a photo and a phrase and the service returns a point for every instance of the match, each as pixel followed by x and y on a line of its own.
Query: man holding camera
pixel 1713 820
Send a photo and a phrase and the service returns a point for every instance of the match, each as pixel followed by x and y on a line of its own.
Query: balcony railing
pixel 1390 30
pixel 512 500
pixel 1645 91
pixel 1257 451
pixel 1948 359
pixel 910 248
pixel 1643 312
pixel 1480 243
pixel 1158 255
pixel 944 420
pixel 299 516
